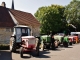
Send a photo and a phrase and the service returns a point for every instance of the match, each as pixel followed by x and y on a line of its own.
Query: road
pixel 70 53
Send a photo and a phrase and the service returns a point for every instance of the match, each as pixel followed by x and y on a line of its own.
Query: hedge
pixel 4 46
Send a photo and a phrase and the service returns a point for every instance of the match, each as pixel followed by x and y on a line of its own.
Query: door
pixel 18 35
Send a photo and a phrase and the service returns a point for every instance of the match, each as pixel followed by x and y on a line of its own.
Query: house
pixel 11 17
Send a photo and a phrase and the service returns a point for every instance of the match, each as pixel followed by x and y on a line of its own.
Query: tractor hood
pixel 24 37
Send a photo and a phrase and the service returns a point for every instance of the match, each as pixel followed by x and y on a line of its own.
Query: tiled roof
pixel 24 18
pixel 5 18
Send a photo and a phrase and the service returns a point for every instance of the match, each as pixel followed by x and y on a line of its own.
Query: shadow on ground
pixel 70 46
pixel 5 55
pixel 42 54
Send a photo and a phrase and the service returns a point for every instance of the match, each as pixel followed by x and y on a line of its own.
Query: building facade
pixel 11 17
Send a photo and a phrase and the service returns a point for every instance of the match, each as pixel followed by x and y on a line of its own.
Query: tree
pixel 51 18
pixel 72 13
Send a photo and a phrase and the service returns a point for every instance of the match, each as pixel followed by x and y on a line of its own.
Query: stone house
pixel 11 17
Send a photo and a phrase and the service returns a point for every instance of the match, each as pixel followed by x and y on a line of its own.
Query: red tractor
pixel 70 40
pixel 21 38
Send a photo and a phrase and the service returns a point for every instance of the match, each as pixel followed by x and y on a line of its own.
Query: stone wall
pixel 35 31
pixel 5 34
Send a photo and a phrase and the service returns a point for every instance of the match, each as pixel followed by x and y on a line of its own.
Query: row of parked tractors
pixel 23 40
pixel 58 41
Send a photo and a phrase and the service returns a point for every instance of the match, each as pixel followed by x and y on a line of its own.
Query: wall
pixel 5 34
pixel 35 30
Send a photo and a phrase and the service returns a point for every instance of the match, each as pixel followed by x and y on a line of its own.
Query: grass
pixel 4 47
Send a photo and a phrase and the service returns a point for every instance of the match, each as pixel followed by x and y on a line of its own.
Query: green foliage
pixel 51 18
pixel 72 13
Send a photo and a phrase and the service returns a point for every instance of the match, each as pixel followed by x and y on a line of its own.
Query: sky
pixel 32 6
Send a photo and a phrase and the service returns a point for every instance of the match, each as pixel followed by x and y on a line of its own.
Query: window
pixel 23 31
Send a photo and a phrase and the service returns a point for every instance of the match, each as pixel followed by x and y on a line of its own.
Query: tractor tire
pixel 12 44
pixel 53 46
pixel 37 51
pixel 59 43
pixel 65 44
pixel 70 43
pixel 42 47
pixel 37 48
pixel 74 42
pixel 21 52
pixel 47 46
pixel 56 44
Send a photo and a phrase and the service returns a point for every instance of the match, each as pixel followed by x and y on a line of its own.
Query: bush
pixel 4 46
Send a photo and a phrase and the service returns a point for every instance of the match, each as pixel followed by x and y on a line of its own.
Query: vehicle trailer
pixel 21 38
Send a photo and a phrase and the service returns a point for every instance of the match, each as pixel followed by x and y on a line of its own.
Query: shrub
pixel 4 46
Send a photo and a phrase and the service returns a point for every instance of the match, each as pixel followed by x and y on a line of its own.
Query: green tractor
pixel 65 41
pixel 46 42
pixel 62 40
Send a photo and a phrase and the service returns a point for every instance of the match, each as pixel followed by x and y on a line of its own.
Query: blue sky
pixel 31 6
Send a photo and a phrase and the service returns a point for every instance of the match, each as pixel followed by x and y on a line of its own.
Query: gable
pixel 5 18
pixel 24 18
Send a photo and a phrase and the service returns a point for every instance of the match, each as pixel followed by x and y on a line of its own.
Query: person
pixel 52 41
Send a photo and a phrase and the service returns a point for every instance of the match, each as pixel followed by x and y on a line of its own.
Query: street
pixel 70 53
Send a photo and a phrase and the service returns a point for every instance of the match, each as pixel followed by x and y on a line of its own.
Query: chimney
pixel 13 4
pixel 3 4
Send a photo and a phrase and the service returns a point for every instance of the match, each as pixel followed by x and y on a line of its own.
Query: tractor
pixel 64 40
pixel 21 39
pixel 76 37
pixel 47 43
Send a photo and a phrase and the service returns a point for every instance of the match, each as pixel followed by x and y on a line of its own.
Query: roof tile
pixel 24 17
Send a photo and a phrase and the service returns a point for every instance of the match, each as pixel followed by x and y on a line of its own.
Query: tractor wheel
pixel 12 44
pixel 48 46
pixel 43 47
pixel 37 48
pixel 21 52
pixel 37 51
pixel 53 46
pixel 70 43
pixel 56 44
pixel 65 44
pixel 74 42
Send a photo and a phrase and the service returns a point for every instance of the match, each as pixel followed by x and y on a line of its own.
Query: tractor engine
pixel 28 41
